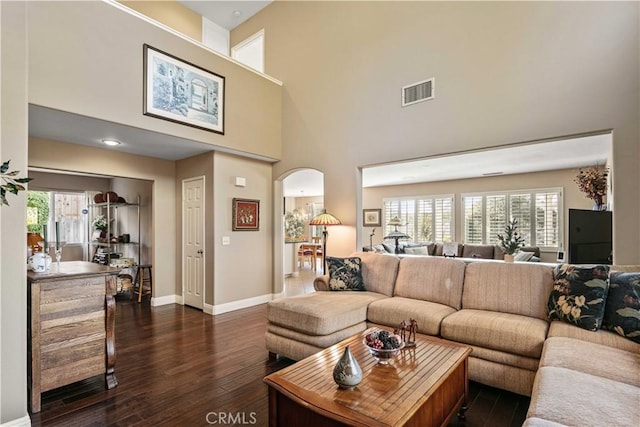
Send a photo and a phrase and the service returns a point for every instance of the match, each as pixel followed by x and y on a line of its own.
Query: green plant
pixel 10 184
pixel 38 201
pixel 511 241
pixel 100 223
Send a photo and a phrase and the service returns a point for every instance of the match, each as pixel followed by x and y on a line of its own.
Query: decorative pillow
pixel 450 249
pixel 622 311
pixel 579 294
pixel 379 249
pixel 345 274
pixel 523 256
pixel 417 250
pixel 390 249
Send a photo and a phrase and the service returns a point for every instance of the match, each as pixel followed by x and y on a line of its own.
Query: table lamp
pixel 395 234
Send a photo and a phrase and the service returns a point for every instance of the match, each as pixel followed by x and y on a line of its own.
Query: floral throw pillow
pixel 579 294
pixel 345 274
pixel 622 311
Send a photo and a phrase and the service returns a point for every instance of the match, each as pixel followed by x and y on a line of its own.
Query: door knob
pixel 200 251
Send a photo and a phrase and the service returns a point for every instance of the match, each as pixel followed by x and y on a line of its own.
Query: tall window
pixel 426 219
pixel 539 215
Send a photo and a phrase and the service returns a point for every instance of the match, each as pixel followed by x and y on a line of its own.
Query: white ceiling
pixel 535 157
pixel 227 14
pixel 303 183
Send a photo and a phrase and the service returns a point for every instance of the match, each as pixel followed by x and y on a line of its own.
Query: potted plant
pixel 511 241
pixel 593 182
pixel 100 224
pixel 9 183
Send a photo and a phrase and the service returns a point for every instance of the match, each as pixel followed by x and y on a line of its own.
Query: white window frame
pixel 414 231
pixel 532 193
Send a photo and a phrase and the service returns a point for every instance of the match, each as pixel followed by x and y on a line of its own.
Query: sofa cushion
pixel 322 341
pixel 379 271
pixel 321 313
pixel 540 422
pixel 507 332
pixel 392 311
pixel 433 279
pixel 579 294
pixel 498 253
pixel 437 251
pixel 416 250
pixel 503 358
pixel 622 309
pixel 508 288
pixel 477 251
pixel 523 256
pixel 345 274
pixel 611 339
pixel 575 398
pixel 580 355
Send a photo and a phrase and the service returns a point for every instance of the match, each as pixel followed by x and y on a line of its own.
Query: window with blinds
pixel 425 219
pixel 539 215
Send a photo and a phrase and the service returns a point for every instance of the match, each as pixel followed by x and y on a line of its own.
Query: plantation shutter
pixel 547 217
pixel 443 219
pixel 472 219
pixel 520 209
pixel 496 217
pixel 425 220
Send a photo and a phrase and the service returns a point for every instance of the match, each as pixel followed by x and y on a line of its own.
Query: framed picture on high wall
pixel 246 215
pixel 371 217
pixel 182 92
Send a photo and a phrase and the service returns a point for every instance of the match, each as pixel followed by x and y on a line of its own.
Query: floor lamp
pixel 324 219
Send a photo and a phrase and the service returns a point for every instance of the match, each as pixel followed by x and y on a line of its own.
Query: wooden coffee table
pixel 425 385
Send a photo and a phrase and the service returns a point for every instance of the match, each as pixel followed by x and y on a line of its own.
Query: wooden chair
pixel 143 283
pixel 307 252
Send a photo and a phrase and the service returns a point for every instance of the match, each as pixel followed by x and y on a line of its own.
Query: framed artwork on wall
pixel 372 217
pixel 246 215
pixel 182 92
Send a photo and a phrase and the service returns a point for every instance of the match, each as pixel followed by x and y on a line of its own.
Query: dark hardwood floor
pixel 179 367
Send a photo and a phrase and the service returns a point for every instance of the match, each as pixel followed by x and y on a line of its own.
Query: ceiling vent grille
pixel 417 92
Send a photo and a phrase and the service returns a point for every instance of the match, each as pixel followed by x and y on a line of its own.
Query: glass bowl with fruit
pixel 383 345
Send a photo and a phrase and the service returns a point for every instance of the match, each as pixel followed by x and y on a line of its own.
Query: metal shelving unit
pixel 108 251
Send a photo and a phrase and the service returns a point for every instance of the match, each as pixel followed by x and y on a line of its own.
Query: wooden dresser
pixel 71 326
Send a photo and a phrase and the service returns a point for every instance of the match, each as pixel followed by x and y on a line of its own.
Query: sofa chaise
pixel 499 309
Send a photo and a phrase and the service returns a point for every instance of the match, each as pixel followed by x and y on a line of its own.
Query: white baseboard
pixel 165 300
pixel 208 308
pixel 237 305
pixel 19 422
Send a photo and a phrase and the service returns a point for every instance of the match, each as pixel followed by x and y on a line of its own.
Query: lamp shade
pixel 325 219
pixel 395 221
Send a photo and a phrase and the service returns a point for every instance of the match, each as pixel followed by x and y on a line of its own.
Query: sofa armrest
pixel 321 283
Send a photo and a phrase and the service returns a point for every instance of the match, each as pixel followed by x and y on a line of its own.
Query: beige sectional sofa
pixel 497 308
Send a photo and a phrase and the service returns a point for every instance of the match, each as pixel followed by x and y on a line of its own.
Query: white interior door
pixel 193 264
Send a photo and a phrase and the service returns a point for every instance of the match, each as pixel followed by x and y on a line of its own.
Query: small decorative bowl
pixel 383 356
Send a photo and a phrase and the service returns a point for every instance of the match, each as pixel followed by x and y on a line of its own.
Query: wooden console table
pixel 71 326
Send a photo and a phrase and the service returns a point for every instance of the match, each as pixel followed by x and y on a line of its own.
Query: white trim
pixel 255 36
pixel 237 305
pixel 166 300
pixel 188 39
pixel 18 422
pixel 207 309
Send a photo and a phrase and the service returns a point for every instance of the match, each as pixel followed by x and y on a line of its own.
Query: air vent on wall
pixel 417 92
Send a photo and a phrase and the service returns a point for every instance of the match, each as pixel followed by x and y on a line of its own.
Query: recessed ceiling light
pixel 492 173
pixel 110 142
pixel 236 13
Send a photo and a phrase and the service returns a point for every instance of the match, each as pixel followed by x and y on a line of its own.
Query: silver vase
pixel 347 373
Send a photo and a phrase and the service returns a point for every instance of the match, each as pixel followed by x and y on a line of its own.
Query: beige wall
pixel 71 157
pixel 99 73
pixel 172 14
pixel 243 269
pixel 45 181
pixel 372 197
pixel 506 72
pixel 13 272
